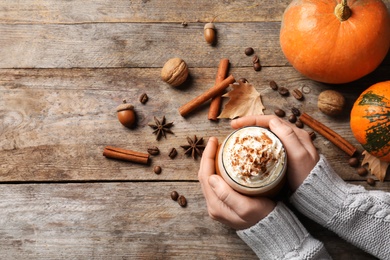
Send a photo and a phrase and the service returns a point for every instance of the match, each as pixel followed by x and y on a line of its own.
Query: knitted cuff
pixel 321 194
pixel 280 235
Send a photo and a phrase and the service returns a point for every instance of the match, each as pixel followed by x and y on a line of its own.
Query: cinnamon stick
pixel 216 101
pixel 212 92
pixel 125 155
pixel 329 134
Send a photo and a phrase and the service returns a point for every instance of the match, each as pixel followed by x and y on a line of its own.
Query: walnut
pixel 174 72
pixel 331 102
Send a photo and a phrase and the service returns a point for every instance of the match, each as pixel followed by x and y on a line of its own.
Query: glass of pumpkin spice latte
pixel 253 161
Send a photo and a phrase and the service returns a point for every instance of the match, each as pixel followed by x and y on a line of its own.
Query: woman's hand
pixel 302 156
pixel 223 203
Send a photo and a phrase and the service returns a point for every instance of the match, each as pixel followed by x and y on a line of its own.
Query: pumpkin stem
pixel 342 11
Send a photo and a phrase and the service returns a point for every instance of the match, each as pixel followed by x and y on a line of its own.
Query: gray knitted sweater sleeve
pixel 359 216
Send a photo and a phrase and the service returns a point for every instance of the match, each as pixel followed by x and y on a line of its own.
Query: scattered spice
pixel 362 171
pixel 161 128
pixel 280 112
pixel 249 51
pixel 125 155
pixel 295 111
pixel 299 123
pixel 257 66
pixel 292 118
pixel 353 162
pixel 215 104
pixel 283 91
pixel 371 181
pixel 297 94
pixel 273 85
pixel 182 201
pixel 172 153
pixel 195 147
pixel 157 169
pixel 174 195
pixel 154 150
pixel 143 98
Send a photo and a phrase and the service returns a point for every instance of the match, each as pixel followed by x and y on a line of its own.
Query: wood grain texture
pixel 123 221
pixel 55 123
pixel 136 45
pixel 64 67
pixel 139 11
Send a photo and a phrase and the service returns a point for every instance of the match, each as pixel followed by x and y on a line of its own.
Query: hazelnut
pixel 209 33
pixel 126 114
pixel 174 72
pixel 331 102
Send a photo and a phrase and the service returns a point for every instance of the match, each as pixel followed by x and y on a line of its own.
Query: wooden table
pixel 66 65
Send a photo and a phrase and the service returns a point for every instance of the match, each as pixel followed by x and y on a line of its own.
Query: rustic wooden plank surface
pixel 116 45
pixel 66 65
pixel 123 221
pixel 57 122
pixel 51 11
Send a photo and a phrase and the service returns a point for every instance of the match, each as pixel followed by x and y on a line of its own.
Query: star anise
pixel 161 128
pixel 195 147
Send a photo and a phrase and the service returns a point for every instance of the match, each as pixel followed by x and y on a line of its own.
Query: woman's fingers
pixel 207 168
pixel 287 135
pixel 259 120
pixel 236 209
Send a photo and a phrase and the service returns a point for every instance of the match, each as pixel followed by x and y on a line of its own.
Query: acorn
pixel 209 33
pixel 126 114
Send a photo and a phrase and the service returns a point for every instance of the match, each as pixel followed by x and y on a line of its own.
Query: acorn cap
pixel 124 106
pixel 209 26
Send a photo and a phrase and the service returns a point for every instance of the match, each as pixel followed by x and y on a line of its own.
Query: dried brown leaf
pixel 376 166
pixel 244 101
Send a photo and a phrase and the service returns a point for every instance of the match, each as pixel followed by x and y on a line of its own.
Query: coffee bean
pixel 153 150
pixel 283 91
pixel 174 195
pixel 249 51
pixel 362 171
pixel 295 111
pixel 292 118
pixel 157 169
pixel 257 66
pixel 353 162
pixel 280 112
pixel 182 201
pixel 312 135
pixel 143 98
pixel 299 123
pixel 172 153
pixel 255 59
pixel 273 85
pixel 371 181
pixel 297 94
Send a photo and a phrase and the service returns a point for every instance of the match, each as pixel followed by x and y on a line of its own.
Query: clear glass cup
pixel 253 161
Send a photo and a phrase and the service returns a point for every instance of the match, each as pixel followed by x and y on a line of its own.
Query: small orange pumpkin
pixel 370 120
pixel 335 42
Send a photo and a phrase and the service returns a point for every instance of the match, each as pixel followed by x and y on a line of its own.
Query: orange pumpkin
pixel 335 42
pixel 370 120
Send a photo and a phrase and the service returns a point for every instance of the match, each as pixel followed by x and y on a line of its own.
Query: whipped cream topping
pixel 253 156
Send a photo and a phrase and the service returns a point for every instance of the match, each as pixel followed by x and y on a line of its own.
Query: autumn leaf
pixel 376 166
pixel 244 100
